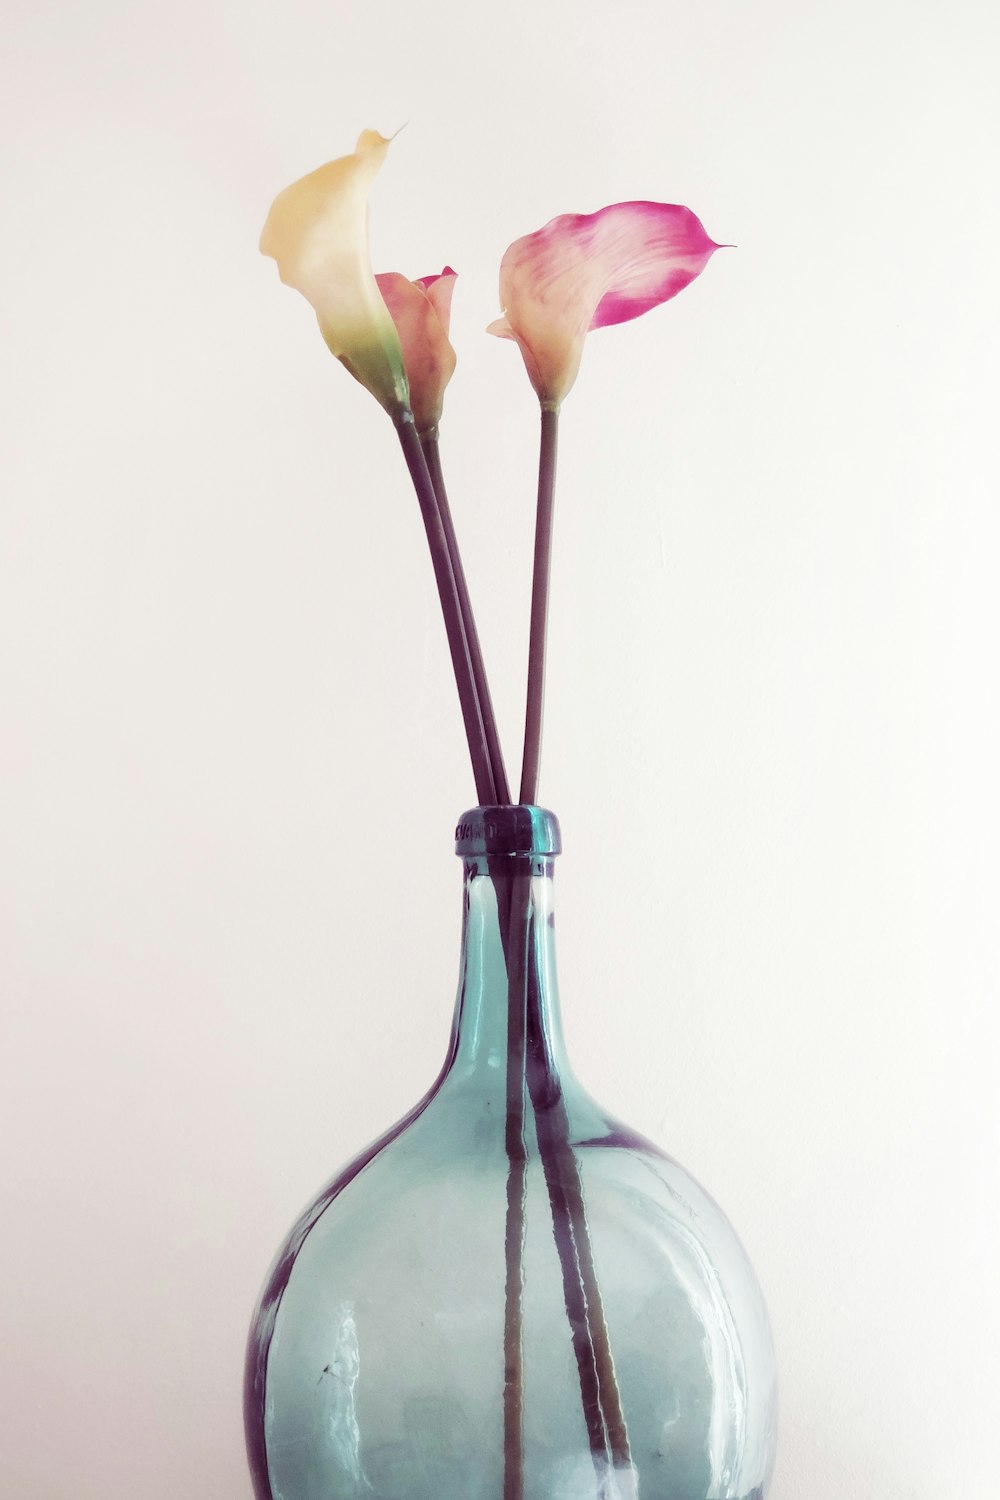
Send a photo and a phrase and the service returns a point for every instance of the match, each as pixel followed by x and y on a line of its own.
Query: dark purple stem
pixel 539 606
pixel 448 594
pixel 432 454
pixel 530 1070
pixel 602 1402
pixel 512 901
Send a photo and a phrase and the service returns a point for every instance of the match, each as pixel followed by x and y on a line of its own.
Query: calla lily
pixel 585 271
pixel 421 311
pixel 317 231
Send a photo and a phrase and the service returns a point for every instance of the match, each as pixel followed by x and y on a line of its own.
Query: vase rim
pixel 521 829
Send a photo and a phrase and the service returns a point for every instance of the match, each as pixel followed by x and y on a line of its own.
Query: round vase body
pixel 511 1295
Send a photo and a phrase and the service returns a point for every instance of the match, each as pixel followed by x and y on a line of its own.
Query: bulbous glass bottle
pixel 510 1295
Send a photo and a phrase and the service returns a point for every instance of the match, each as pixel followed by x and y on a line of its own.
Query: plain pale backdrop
pixel 228 735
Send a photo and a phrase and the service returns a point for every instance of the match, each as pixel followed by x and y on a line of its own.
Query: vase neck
pixel 508 946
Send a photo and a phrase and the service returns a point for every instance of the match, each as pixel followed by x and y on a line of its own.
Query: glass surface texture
pixel 511 1295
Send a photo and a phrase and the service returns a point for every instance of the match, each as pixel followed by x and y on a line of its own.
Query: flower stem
pixel 600 1395
pixel 531 1071
pixel 539 606
pixel 432 454
pixel 513 898
pixel 450 608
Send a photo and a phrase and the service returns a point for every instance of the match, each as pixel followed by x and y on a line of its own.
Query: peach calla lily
pixel 421 311
pixel 317 231
pixel 584 271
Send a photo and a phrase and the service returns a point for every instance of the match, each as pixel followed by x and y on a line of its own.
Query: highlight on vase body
pixel 510 1295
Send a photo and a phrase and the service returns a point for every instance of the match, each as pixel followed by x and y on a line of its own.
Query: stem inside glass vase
pixel 533 1078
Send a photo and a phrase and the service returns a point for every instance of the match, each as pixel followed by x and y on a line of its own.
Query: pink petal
pixel 439 291
pixel 427 353
pixel 654 251
pixel 427 281
pixel 584 271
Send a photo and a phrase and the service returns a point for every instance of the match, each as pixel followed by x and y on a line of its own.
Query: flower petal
pixel 439 290
pixel 584 271
pixel 427 353
pixel 501 329
pixel 317 231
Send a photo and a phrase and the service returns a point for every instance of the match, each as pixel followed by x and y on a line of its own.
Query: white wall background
pixel 229 734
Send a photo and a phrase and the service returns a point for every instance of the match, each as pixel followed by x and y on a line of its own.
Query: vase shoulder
pixel 510 1271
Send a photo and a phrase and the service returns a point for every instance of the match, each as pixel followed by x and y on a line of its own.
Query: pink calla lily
pixel 317 231
pixel 421 311
pixel 584 271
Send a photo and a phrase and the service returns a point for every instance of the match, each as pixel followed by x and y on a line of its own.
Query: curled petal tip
pixel 439 291
pixel 428 281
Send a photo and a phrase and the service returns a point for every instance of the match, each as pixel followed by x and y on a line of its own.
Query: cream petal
pixel 317 232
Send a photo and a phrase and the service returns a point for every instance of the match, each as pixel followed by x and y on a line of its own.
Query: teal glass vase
pixel 510 1295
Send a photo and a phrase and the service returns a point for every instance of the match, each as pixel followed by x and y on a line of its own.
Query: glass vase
pixel 510 1295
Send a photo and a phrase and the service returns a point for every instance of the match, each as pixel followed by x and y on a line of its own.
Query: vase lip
pixel 519 829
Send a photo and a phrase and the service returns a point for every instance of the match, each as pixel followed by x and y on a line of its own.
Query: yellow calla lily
pixel 317 232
